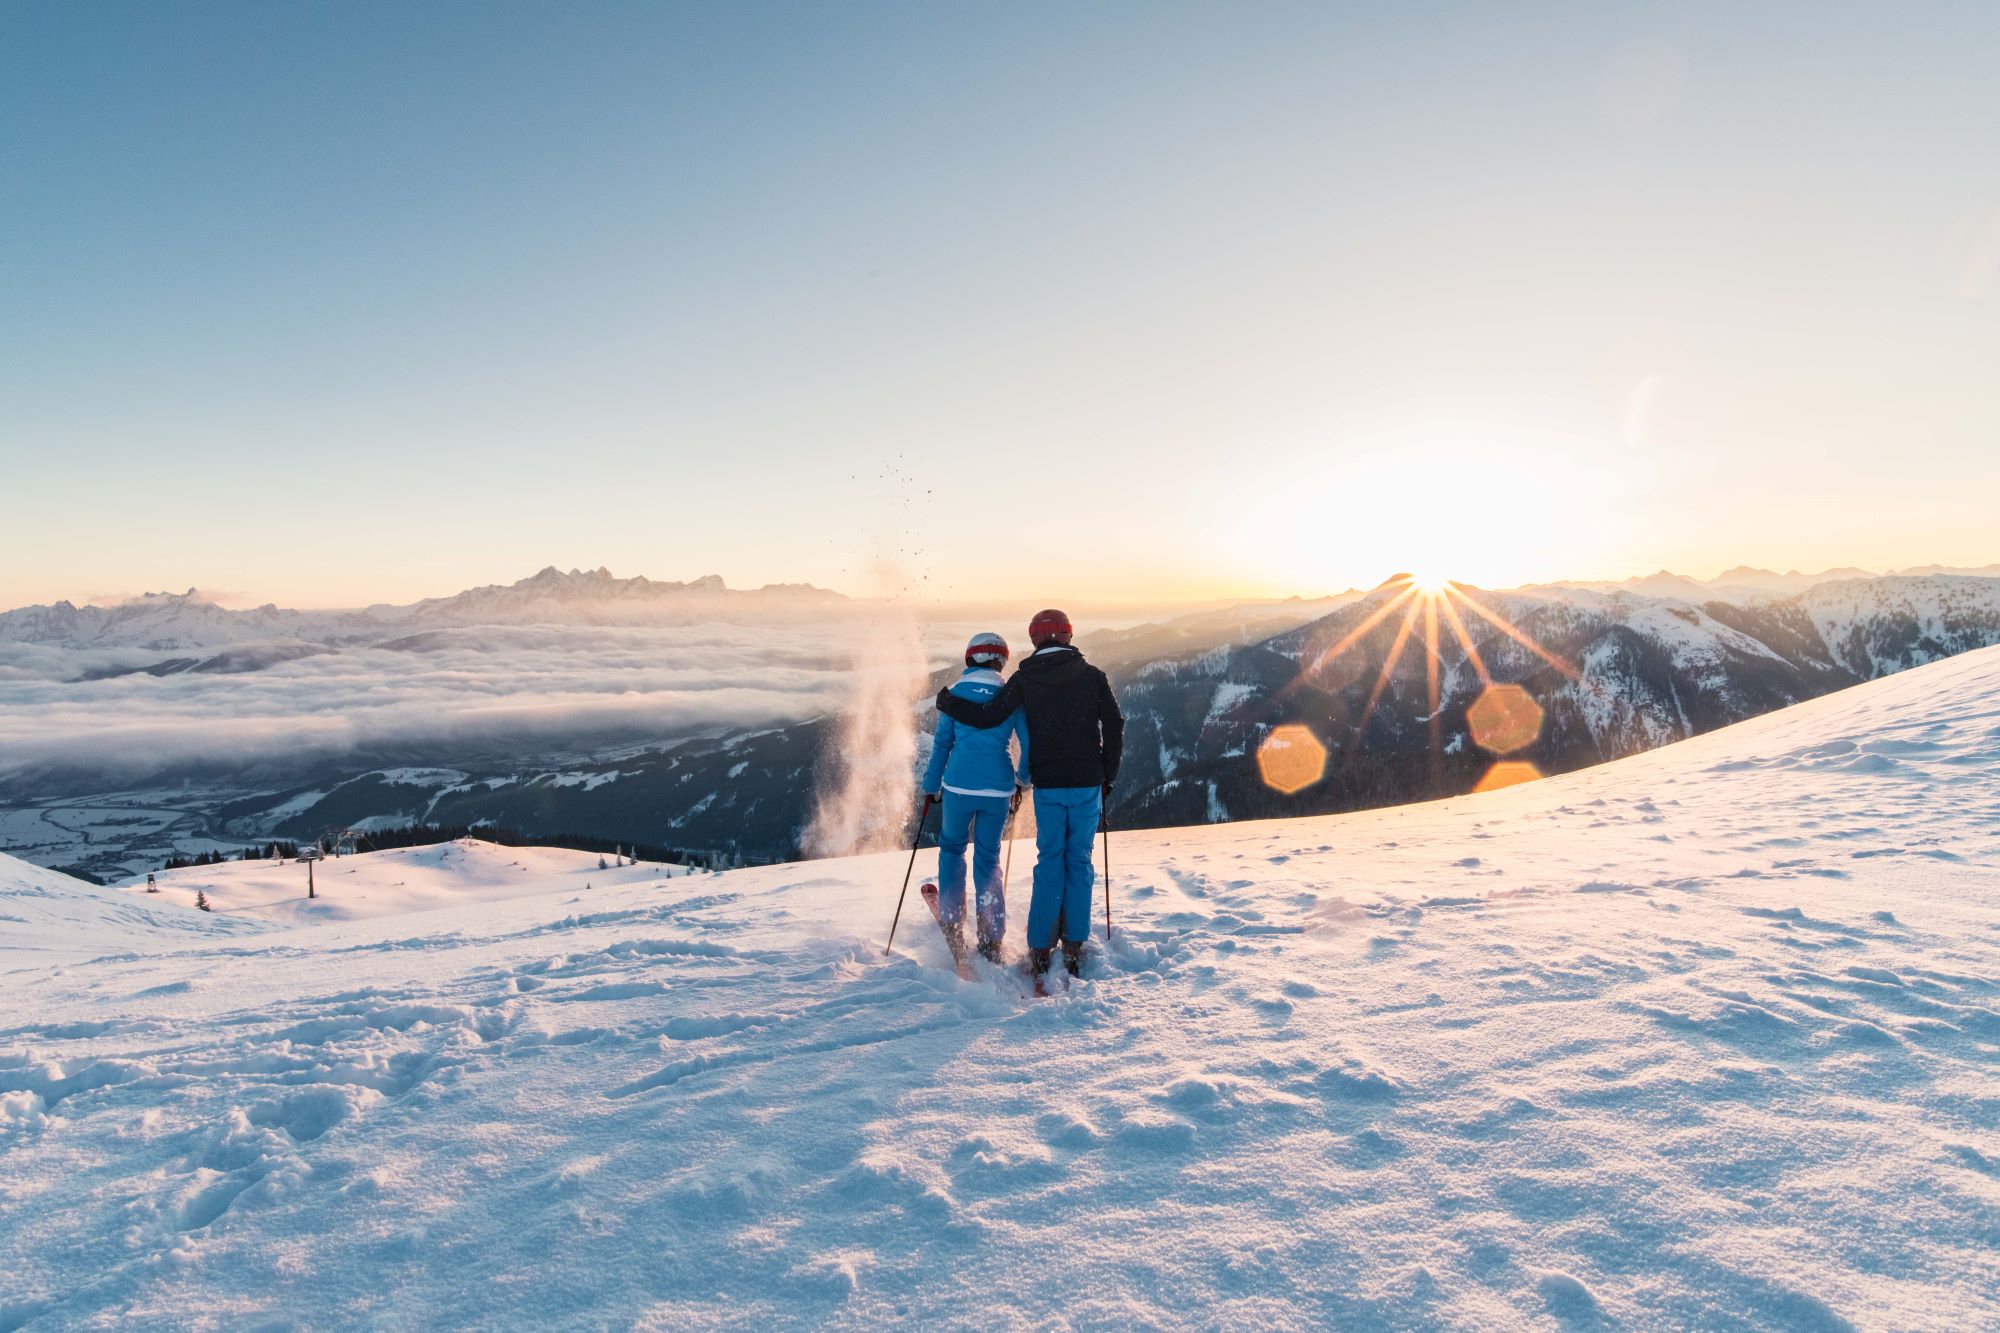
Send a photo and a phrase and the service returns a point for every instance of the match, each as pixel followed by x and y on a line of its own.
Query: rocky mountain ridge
pixel 190 622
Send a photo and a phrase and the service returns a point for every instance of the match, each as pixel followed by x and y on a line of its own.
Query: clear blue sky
pixel 335 303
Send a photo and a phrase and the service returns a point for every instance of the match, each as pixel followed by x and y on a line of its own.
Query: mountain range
pixel 180 622
pixel 190 621
pixel 1637 672
pixel 1610 672
pixel 1746 583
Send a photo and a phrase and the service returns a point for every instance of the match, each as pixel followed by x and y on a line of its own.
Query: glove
pixel 929 797
pixel 1020 791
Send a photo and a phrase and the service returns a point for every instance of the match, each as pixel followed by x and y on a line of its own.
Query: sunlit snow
pixel 1703 1038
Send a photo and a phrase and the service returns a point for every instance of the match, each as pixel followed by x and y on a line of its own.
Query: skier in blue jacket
pixel 971 768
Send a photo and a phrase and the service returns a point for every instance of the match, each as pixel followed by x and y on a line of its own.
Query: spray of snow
pixel 868 779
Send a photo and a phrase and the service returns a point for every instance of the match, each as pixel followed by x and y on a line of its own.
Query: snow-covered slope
pixel 46 915
pixel 1646 671
pixel 464 873
pixel 1876 626
pixel 1705 1038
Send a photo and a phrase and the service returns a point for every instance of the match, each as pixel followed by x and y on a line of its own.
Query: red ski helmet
pixel 1049 627
pixel 986 650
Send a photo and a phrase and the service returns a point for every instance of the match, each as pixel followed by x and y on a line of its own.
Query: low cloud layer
pixel 474 687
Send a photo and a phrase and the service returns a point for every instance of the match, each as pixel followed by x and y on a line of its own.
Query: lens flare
pixel 1503 719
pixel 1291 759
pixel 1508 773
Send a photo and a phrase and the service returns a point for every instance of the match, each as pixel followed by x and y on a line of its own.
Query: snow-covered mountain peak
pixel 160 621
pixel 551 577
pixel 166 622
pixel 599 595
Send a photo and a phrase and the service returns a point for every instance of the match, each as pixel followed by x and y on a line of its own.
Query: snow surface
pixel 1705 1038
pixel 392 883
pixel 46 915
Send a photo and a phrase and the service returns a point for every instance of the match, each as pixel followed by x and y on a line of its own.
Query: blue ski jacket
pixel 973 762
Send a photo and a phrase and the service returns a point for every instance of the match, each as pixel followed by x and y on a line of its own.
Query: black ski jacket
pixel 1076 735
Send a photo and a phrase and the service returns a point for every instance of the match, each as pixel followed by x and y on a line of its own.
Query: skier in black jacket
pixel 1076 736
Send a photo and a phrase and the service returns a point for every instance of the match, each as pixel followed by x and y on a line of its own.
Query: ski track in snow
pixel 1704 1038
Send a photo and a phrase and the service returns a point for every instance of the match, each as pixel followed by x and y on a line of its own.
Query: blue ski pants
pixel 979 821
pixel 1066 820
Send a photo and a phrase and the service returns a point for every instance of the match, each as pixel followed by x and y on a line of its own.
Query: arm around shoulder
pixel 1021 778
pixel 984 716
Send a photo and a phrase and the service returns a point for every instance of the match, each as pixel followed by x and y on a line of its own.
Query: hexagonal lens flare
pixel 1508 773
pixel 1291 759
pixel 1504 718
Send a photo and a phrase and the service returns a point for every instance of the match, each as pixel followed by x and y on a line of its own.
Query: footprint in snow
pixel 980 1165
pixel 1146 1130
pixel 1571 1302
pixel 1368 1148
pixel 1273 1008
pixel 1061 1129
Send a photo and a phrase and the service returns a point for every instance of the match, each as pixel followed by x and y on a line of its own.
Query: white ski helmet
pixel 986 650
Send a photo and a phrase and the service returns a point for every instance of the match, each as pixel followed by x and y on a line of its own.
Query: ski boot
pixel 990 951
pixel 1073 957
pixel 954 938
pixel 1039 961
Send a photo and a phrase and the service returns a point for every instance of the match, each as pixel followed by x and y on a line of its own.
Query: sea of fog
pixel 499 685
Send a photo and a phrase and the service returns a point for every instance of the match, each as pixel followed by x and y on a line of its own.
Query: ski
pixel 954 940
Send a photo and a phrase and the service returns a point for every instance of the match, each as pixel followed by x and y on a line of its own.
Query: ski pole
pixel 1104 824
pixel 922 820
pixel 1013 818
pixel 1007 870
